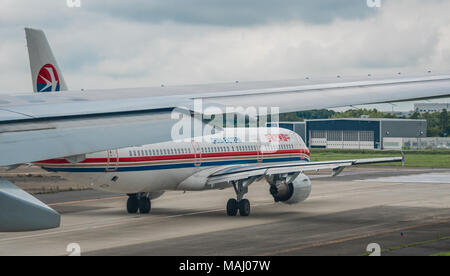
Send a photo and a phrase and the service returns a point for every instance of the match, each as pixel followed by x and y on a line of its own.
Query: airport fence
pixel 416 143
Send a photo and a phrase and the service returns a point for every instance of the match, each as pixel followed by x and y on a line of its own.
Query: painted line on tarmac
pixel 85 200
pixel 119 223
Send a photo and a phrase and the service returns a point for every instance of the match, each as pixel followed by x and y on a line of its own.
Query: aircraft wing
pixel 20 211
pixel 51 125
pixel 245 172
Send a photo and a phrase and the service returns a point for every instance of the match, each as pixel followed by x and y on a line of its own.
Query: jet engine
pixel 291 192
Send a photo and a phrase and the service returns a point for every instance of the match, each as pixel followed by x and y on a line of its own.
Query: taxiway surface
pixel 393 207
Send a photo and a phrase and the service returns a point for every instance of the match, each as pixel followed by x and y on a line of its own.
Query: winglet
pixel 20 211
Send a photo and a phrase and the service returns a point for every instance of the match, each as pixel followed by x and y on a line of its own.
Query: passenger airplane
pixel 120 140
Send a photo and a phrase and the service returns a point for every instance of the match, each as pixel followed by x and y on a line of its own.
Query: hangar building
pixel 364 133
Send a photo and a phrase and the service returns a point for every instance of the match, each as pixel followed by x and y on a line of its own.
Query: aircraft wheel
pixel 244 207
pixel 132 204
pixel 144 205
pixel 232 207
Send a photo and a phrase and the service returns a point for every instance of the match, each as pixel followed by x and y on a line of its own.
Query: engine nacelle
pixel 292 193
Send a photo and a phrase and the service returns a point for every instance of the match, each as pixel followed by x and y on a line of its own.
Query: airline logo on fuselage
pixel 272 138
pixel 48 79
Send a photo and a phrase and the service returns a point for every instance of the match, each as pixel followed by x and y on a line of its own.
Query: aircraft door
pixel 197 153
pixel 112 160
pixel 260 149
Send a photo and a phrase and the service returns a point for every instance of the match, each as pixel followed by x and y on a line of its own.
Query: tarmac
pixel 406 211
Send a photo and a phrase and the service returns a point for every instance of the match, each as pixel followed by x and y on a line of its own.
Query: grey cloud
pixel 110 46
pixel 234 12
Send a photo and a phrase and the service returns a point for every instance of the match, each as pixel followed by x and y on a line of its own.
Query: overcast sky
pixel 112 44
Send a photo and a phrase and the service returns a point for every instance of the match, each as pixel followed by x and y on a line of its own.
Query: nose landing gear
pixel 139 202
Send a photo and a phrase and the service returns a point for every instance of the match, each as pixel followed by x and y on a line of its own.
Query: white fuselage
pixel 172 165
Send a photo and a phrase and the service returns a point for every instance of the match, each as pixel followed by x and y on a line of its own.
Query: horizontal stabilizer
pixel 20 211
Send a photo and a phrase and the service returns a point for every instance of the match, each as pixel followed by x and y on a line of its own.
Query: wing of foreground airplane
pixel 48 125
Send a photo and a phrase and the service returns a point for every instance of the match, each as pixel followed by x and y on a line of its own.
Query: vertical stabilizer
pixel 45 72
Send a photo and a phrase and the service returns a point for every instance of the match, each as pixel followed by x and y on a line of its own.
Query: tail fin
pixel 45 73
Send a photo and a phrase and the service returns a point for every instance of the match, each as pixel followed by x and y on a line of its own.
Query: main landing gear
pixel 240 204
pixel 139 202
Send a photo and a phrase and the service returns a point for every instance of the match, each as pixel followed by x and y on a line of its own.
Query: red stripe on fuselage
pixel 178 157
